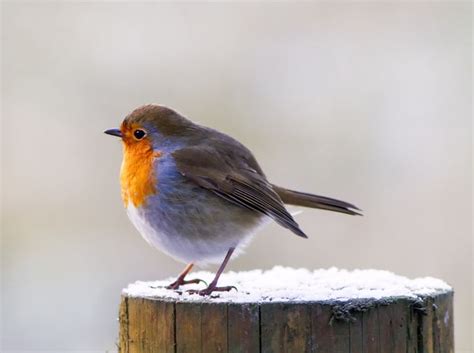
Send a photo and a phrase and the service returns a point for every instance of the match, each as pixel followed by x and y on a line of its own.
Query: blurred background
pixel 370 103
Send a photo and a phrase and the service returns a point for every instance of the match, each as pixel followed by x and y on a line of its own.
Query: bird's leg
pixel 180 280
pixel 213 285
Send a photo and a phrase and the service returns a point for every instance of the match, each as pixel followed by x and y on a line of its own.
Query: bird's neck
pixel 137 175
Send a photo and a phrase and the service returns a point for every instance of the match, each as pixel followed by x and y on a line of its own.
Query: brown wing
pixel 305 199
pixel 234 175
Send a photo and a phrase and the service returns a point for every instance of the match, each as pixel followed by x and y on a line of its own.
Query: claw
pixel 176 284
pixel 209 290
pixel 203 281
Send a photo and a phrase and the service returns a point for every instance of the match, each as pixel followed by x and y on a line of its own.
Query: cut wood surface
pixel 178 323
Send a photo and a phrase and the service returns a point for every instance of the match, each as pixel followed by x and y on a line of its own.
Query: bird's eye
pixel 139 134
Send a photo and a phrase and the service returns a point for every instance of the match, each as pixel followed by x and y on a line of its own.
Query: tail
pixel 315 201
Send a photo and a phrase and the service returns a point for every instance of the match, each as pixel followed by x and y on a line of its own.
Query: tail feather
pixel 315 201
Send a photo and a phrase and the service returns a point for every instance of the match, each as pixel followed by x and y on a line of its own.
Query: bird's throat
pixel 137 176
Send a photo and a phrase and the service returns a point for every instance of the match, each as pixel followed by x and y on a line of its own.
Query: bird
pixel 199 195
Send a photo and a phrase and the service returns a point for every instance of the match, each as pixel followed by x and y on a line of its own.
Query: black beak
pixel 113 132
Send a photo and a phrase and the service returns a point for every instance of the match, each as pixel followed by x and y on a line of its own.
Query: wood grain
pixel 401 325
pixel 370 330
pixel 243 328
pixel 214 328
pixel 188 328
pixel 285 328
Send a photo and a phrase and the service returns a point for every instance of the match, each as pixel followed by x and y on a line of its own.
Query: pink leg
pixel 213 285
pixel 180 280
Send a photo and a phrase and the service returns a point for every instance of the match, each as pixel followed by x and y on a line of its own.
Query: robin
pixel 198 194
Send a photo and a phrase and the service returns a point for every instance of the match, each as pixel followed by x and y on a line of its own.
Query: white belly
pixel 185 242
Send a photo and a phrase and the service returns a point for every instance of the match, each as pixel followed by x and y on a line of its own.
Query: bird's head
pixel 147 133
pixel 150 126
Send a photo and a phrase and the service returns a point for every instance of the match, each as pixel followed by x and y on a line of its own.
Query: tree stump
pixel 338 312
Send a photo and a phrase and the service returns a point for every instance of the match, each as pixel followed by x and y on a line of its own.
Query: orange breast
pixel 137 176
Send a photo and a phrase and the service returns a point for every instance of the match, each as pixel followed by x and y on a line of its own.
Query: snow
pixel 282 284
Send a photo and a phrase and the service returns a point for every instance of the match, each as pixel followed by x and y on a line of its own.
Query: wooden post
pixel 391 325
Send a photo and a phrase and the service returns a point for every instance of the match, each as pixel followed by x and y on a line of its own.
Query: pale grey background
pixel 370 103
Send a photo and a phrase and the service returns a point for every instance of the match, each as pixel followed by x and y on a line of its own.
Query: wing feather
pixel 235 178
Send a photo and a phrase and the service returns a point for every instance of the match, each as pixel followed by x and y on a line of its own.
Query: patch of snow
pixel 446 318
pixel 282 284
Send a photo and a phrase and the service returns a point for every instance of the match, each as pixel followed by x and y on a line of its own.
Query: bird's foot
pixel 179 282
pixel 209 290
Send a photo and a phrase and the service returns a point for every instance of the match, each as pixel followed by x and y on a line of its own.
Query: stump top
pixel 284 284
